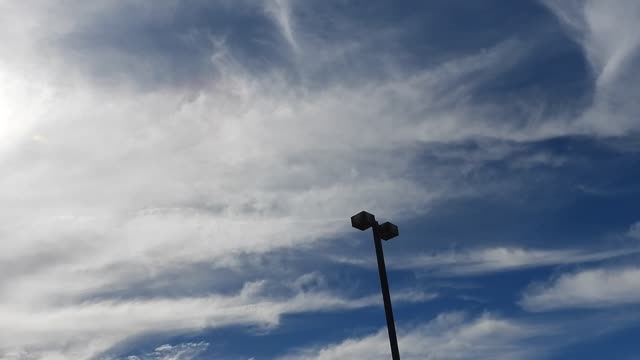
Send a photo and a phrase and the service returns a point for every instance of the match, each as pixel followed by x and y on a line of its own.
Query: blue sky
pixel 178 178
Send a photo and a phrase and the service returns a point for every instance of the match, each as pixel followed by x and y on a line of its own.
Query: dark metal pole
pixel 384 284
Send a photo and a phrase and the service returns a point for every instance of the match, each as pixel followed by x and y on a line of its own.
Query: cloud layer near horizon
pixel 449 336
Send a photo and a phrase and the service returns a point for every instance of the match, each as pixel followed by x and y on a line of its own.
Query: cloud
pixel 634 231
pixel 605 30
pixel 136 142
pixel 506 259
pixel 594 288
pixel 281 12
pixel 133 182
pixel 185 351
pixel 449 336
pixel 459 335
pixel 495 259
pixel 82 330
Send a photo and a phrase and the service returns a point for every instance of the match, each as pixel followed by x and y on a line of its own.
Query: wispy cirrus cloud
pixel 280 10
pixel 452 335
pixel 592 288
pixel 490 260
pixel 185 351
pixel 634 231
pixel 135 141
pixel 460 335
pixel 494 259
pixel 605 30
pixel 85 329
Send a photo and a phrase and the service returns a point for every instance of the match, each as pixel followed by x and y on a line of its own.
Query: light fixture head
pixel 363 220
pixel 388 231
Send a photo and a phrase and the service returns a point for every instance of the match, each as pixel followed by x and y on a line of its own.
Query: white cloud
pixel 173 176
pixel 185 351
pixel 281 12
pixel 594 288
pixel 131 183
pixel 505 259
pixel 606 30
pixel 495 259
pixel 108 183
pixel 458 336
pixel 82 330
pixel 448 336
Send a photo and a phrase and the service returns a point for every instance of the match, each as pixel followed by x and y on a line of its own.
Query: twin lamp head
pixel 364 220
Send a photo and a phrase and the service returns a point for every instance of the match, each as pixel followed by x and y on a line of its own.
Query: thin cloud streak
pixel 459 336
pixel 590 289
pixel 84 330
pixel 280 10
pixel 449 336
pixel 476 262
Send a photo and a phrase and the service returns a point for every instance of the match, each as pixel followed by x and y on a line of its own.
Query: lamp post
pixel 387 231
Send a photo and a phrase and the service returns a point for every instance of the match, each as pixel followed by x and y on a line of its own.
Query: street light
pixel 387 231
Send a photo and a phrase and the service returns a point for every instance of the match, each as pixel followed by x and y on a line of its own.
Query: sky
pixel 177 178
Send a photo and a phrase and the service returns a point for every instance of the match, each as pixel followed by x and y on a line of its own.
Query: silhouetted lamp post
pixel 387 231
